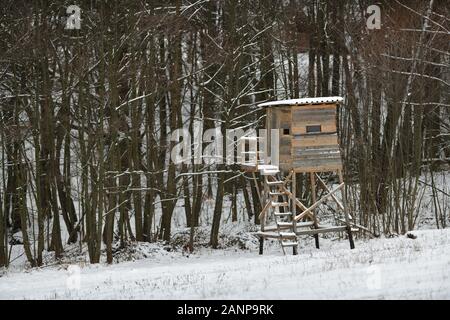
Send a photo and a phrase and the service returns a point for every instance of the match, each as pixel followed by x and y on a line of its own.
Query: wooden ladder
pixel 283 211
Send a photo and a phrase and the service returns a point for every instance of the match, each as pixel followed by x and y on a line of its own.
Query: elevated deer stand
pixel 308 144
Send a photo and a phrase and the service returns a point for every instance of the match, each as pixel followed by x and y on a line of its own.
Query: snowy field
pixel 385 268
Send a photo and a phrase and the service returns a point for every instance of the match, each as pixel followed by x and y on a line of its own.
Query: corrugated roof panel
pixel 303 101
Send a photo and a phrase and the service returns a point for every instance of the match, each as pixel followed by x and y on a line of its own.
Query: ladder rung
pixel 285 224
pixel 282 214
pixel 289 243
pixel 280 204
pixel 275 183
pixel 287 235
pixel 268 173
pixel 270 167
pixel 277 194
pixel 250 164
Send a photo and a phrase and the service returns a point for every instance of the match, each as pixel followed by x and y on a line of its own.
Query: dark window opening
pixel 313 129
pixel 286 132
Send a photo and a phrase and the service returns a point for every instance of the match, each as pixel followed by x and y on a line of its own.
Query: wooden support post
pixel 347 219
pixel 293 207
pixel 261 245
pixel 267 200
pixel 314 199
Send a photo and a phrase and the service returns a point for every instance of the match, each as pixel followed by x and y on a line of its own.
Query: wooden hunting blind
pixel 307 143
pixel 308 134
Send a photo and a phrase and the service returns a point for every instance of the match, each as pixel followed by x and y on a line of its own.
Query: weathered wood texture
pixel 299 149
pixel 323 115
pixel 280 118
pixel 315 140
pixel 315 151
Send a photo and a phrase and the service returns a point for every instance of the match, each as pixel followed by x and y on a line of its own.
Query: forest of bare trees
pixel 86 115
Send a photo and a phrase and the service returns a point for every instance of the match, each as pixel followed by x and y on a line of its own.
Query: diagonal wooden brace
pixel 315 205
pixel 324 186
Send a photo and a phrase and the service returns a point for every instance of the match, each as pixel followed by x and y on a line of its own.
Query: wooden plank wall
pixel 323 114
pixel 285 140
pixel 302 151
pixel 315 151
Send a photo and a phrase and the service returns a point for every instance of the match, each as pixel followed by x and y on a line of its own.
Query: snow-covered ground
pixel 384 268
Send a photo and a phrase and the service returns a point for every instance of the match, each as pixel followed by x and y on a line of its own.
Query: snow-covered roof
pixel 303 101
